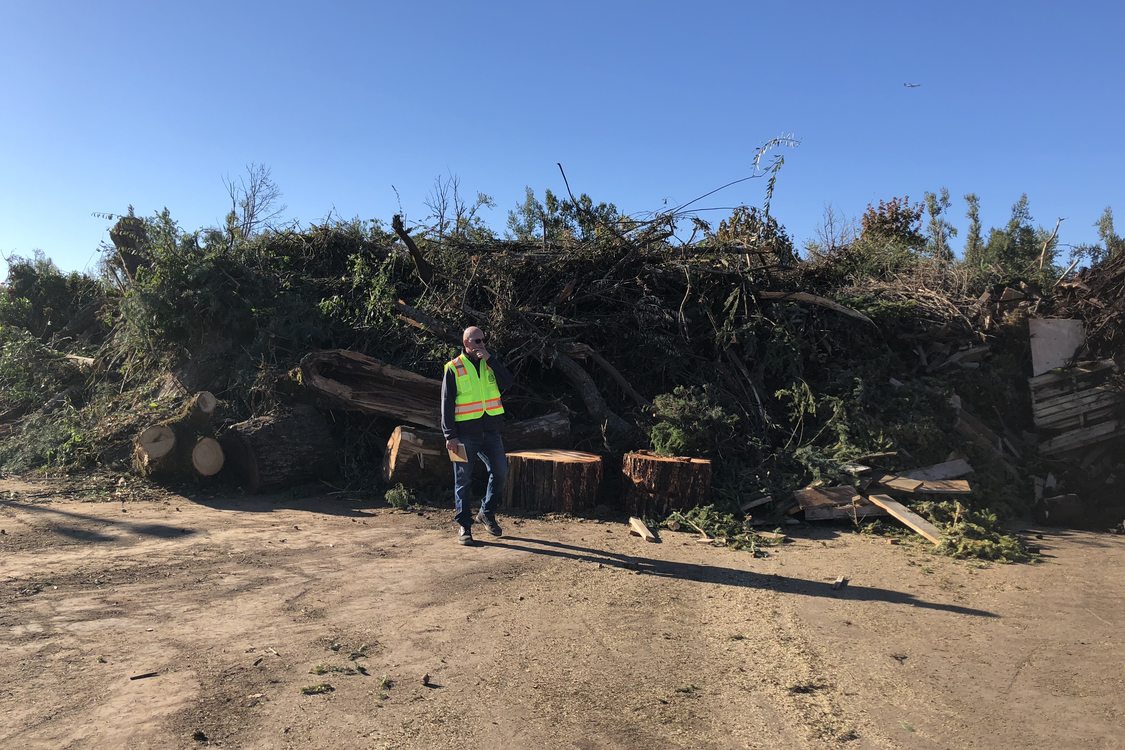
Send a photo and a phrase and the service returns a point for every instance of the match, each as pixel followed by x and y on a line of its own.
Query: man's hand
pixel 483 355
pixel 453 445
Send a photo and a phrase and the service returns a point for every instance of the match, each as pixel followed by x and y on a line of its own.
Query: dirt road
pixel 563 634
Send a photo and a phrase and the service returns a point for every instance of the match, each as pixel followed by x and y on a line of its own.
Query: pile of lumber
pixel 1077 407
pixel 872 496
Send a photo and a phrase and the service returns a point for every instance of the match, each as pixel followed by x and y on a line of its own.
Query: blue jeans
pixel 488 448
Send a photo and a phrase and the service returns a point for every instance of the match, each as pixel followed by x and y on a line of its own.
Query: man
pixel 471 415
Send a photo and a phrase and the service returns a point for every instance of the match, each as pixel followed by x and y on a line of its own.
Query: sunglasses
pixel 478 340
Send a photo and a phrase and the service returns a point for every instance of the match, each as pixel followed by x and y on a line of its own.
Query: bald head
pixel 473 341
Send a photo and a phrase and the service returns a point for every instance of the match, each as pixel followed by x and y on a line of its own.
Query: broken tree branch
pixel 421 265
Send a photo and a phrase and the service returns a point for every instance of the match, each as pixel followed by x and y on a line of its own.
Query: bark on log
pixel 350 381
pixel 275 451
pixel 553 480
pixel 657 485
pixel 154 450
pixel 417 457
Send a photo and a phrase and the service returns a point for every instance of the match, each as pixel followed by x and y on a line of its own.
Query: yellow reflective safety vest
pixel 477 394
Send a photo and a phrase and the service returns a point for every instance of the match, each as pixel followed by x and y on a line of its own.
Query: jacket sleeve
pixel 504 376
pixel 448 404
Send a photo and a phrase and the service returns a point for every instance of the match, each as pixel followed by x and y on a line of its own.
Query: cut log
pixel 154 451
pixel 200 411
pixel 657 485
pixel 207 457
pixel 351 381
pixel 908 517
pixel 417 457
pixel 553 480
pixel 280 450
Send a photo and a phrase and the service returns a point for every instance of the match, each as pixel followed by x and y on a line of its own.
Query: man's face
pixel 474 343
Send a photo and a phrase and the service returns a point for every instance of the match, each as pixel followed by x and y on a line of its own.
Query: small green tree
pixel 937 206
pixel 974 244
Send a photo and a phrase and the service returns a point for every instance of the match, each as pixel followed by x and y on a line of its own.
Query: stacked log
pixel 553 480
pixel 184 446
pixel 417 457
pixel 281 450
pixel 657 485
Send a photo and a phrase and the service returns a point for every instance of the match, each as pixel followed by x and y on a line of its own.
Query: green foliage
pixel 400 497
pixel 725 528
pixel 30 372
pixel 562 220
pixel 40 298
pixel 937 206
pixel 690 421
pixel 897 222
pixel 968 533
pixel 749 228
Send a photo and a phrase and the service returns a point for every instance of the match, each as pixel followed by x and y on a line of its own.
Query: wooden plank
pixel 1092 397
pixel 1087 436
pixel 947 487
pixel 946 470
pixel 1062 380
pixel 764 500
pixel 966 429
pixel 1078 421
pixel 933 486
pixel 902 484
pixel 1054 342
pixel 637 527
pixel 908 517
pixel 834 504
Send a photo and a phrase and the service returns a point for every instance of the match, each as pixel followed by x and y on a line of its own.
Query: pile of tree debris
pixel 820 385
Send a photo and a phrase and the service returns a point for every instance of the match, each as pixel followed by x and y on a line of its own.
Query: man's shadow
pixel 723 576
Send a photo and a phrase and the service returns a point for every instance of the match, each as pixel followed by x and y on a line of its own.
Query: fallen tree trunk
pixel 279 450
pixel 417 457
pixel 351 381
pixel 657 485
pixel 553 480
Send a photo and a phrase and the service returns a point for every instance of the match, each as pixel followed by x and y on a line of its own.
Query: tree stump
pixel 280 450
pixel 417 457
pixel 553 480
pixel 657 485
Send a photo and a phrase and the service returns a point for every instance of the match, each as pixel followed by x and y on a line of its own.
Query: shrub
pixel 400 497
pixel 690 421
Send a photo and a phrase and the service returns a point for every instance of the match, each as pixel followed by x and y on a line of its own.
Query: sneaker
pixel 465 536
pixel 490 524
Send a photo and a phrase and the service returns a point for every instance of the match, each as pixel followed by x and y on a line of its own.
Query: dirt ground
pixel 563 634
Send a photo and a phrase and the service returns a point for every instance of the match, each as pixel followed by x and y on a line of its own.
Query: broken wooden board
pixel 908 517
pixel 764 500
pixel 964 356
pixel 972 428
pixel 772 536
pixel 931 486
pixel 1081 375
pixel 1054 342
pixel 946 470
pixel 638 527
pixel 834 504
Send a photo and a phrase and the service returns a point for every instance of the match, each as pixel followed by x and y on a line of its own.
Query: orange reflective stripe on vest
pixel 477 393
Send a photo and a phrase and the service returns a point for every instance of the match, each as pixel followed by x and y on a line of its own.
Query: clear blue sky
pixel 153 103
